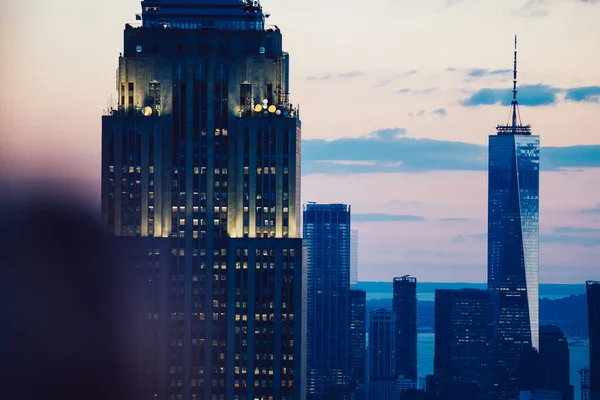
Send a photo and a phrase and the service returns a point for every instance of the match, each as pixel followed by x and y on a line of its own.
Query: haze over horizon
pixel 397 100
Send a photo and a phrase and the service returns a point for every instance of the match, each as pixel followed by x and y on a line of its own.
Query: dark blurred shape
pixel 67 331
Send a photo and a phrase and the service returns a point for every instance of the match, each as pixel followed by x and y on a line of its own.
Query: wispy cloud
pixel 533 8
pixel 419 113
pixel 455 219
pixel 322 77
pixel 576 230
pixel 584 94
pixel 352 74
pixel 331 76
pixel 580 240
pixel 380 217
pixel 387 79
pixel 390 150
pixel 418 91
pixel 483 72
pixel 528 95
pixel 440 111
pixel 593 210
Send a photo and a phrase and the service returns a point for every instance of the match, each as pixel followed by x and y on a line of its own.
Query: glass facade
pixel 327 237
pixel 404 304
pixel 357 350
pixel 382 344
pixel 513 249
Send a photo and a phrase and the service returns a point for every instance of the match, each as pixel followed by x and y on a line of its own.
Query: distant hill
pixel 569 313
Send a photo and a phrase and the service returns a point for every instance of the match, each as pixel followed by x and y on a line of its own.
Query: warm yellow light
pixel 258 108
pixel 272 109
pixel 147 111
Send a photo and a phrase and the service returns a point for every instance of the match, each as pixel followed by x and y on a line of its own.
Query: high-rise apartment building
pixel 513 243
pixel 327 237
pixel 353 257
pixel 464 349
pixel 357 351
pixel 593 303
pixel 382 344
pixel 201 170
pixel 404 304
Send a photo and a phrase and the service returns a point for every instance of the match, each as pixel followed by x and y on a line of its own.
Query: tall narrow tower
pixel 327 236
pixel 201 174
pixel 404 305
pixel 513 242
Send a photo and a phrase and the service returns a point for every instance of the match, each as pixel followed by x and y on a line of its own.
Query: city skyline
pixel 432 222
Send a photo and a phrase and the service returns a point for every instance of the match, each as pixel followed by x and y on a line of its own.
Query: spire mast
pixel 514 100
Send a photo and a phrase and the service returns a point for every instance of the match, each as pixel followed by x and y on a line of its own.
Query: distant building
pixel 555 361
pixel 327 237
pixel 463 344
pixel 382 377
pixel 540 395
pixel 513 244
pixel 593 303
pixel 353 257
pixel 404 305
pixel 357 350
pixel 383 389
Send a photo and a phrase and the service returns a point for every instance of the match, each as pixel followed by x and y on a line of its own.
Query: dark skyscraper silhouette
pixel 513 243
pixel 593 303
pixel 327 237
pixel 463 344
pixel 404 304
pixel 201 172
pixel 382 338
pixel 555 361
pixel 357 351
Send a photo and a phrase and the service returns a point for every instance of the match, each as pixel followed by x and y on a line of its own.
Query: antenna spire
pixel 514 100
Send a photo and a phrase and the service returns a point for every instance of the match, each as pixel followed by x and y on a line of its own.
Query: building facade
pixel 404 304
pixel 357 350
pixel 464 351
pixel 327 236
pixel 353 257
pixel 201 167
pixel 382 344
pixel 593 303
pixel 555 361
pixel 513 244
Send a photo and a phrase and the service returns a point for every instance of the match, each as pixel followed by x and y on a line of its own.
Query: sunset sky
pixel 397 101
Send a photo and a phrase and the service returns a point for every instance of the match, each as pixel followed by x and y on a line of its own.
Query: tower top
pixel 203 14
pixel 514 127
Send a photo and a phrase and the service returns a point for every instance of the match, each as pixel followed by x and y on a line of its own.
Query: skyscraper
pixel 464 350
pixel 353 257
pixel 382 338
pixel 404 304
pixel 201 169
pixel 357 351
pixel 593 303
pixel 555 361
pixel 513 243
pixel 327 236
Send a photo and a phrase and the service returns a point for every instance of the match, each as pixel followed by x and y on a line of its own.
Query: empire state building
pixel 201 182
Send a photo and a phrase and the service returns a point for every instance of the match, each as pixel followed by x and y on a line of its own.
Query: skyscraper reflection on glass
pixel 513 244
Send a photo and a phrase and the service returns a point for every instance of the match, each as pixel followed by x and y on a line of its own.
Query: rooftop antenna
pixel 514 127
pixel 514 100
